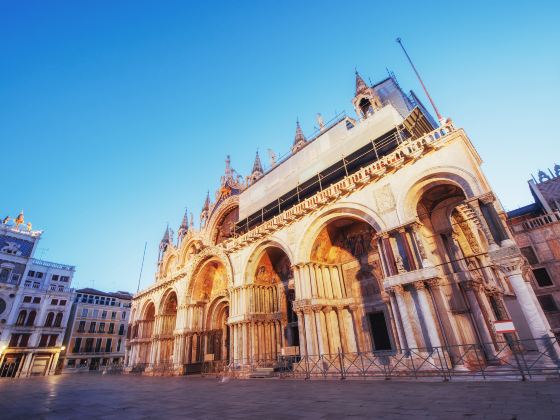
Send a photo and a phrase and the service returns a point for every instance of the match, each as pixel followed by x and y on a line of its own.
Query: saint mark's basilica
pixel 378 233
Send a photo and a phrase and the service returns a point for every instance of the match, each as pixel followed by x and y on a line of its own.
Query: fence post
pixel 341 361
pixel 441 364
pixel 511 346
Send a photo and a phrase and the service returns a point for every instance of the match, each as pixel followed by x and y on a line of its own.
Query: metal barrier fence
pixel 513 359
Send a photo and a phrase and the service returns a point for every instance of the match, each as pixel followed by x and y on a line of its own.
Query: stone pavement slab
pixel 116 396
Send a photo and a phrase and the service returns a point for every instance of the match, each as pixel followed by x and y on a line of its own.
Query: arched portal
pixel 209 340
pixel 452 231
pixel 167 326
pixel 273 294
pixel 350 245
pixel 145 332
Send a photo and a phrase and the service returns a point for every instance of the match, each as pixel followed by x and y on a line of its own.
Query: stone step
pixel 262 372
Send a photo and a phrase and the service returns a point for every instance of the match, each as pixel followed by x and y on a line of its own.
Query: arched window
pixel 21 317
pixel 121 329
pixel 31 318
pixel 58 320
pixel 49 320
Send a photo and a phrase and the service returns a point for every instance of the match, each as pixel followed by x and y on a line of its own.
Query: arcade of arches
pixel 429 283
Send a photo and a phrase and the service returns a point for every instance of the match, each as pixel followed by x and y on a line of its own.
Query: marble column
pixel 310 332
pixel 471 289
pixel 301 332
pixel 475 205
pixel 322 334
pixel 427 314
pixel 405 317
pixel 540 329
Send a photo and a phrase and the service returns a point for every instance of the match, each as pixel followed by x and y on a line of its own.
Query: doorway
pixel 379 332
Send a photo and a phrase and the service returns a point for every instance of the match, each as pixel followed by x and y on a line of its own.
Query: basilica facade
pixel 378 233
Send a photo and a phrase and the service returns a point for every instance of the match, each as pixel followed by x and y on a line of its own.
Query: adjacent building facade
pixel 378 233
pixel 536 228
pixel 35 302
pixel 96 333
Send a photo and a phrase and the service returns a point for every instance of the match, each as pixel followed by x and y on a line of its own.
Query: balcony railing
pixel 537 222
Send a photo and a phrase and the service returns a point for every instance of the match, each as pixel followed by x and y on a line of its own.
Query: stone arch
pixel 163 301
pixel 147 307
pixel 169 263
pixel 408 199
pixel 340 211
pixel 206 255
pixel 218 216
pixel 190 247
pixel 257 253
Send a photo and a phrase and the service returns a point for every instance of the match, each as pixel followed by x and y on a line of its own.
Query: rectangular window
pixel 26 299
pixel 36 300
pixel 24 340
pixel 124 315
pixel 542 277
pixel 43 341
pixel 54 302
pixel 36 285
pixel 62 302
pixel 113 315
pixel 529 253
pixel 52 287
pixel 54 277
pixel 61 288
pixel 77 345
pixel 82 326
pixel 98 345
pixel 5 274
pixel 92 327
pixel 108 345
pixel 15 278
pixel 96 313
pixel 119 345
pixel 31 273
pixel 64 278
pixel 14 340
pixel 101 327
pixel 71 363
pixel 52 340
pixel 111 328
pixel 84 312
pixel 39 274
pixel 89 345
pixel 548 303
pixel 104 315
pixel 27 283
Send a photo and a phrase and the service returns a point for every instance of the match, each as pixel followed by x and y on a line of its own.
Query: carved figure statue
pixel 400 264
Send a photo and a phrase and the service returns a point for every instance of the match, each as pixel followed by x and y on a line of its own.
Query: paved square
pixel 96 396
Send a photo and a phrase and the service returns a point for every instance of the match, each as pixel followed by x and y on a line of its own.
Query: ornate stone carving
pixel 385 199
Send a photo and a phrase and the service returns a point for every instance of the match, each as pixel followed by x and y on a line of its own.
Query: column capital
pixel 327 309
pixel 511 267
pixel 419 285
pixel 307 310
pixel 434 283
pixel 487 198
pixel 398 289
pixel 317 308
pixel 473 285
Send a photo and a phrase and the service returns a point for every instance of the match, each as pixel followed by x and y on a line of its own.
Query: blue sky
pixel 116 115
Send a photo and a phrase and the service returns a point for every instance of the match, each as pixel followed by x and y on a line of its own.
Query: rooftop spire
pixel 360 84
pixel 166 235
pixel 207 201
pixel 185 222
pixel 299 139
pixel 257 166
